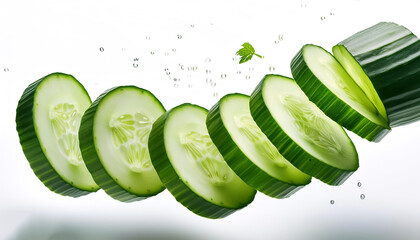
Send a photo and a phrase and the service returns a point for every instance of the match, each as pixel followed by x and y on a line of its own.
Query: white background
pixel 40 37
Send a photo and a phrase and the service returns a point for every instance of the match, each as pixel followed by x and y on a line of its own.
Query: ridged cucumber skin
pixel 91 158
pixel 172 181
pixel 288 148
pixel 393 66
pixel 239 162
pixel 32 147
pixel 332 105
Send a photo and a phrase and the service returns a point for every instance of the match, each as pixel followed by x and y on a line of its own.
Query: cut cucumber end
pixel 359 76
pixel 249 152
pixel 113 138
pixel 301 132
pixel 384 60
pixel 191 167
pixel 47 121
pixel 328 85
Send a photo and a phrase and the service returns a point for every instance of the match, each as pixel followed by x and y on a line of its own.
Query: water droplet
pixel 208 71
pixel 6 69
pixel 359 184
pixel 248 77
pixel 179 36
pixel 238 72
pixel 101 49
pixel 173 50
pixel 213 84
pixel 135 65
pixel 168 73
pixel 215 94
pixel 176 85
pixel 362 196
pixel 147 37
pixel 280 37
pixel 208 60
pixel 303 5
pixel 152 53
pixel 223 76
pixel 332 14
pixel 176 79
pixel 166 53
pixel 208 80
pixel 194 68
pixel 276 42
pixel 322 18
pixel 251 69
pixel 189 85
pixel 234 59
pixel 192 25
pixel 166 69
pixel 123 49
pixel 332 202
pixel 189 68
pixel 271 68
pixel 135 59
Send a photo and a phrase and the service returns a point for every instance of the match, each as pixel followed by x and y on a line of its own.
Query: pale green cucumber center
pixel 65 122
pixel 307 125
pixel 130 133
pixel 359 76
pixel 249 128
pixel 197 161
pixel 329 71
pixel 201 149
pixel 122 124
pixel 59 103
pixel 312 126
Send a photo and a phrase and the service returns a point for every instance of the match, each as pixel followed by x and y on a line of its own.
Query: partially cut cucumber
pixel 329 86
pixel 384 60
pixel 191 167
pixel 302 133
pixel 47 121
pixel 249 152
pixel 113 138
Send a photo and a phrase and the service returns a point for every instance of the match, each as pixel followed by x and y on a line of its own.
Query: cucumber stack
pixel 212 162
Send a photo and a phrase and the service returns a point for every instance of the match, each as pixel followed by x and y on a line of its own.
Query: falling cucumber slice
pixel 249 152
pixel 329 86
pixel 113 139
pixel 191 167
pixel 384 60
pixel 301 132
pixel 47 121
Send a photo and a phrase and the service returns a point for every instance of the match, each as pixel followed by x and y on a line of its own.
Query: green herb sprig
pixel 246 53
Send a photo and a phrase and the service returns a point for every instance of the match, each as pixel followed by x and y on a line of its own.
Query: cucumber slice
pixel 249 152
pixel 191 167
pixel 302 133
pixel 384 60
pixel 113 138
pixel 47 121
pixel 328 85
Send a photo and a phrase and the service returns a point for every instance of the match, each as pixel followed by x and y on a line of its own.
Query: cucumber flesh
pixel 384 60
pixel 249 152
pixel 48 119
pixel 113 137
pixel 302 133
pixel 329 86
pixel 192 168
